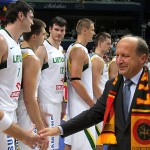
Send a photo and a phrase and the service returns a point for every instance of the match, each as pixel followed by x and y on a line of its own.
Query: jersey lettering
pixel 58 59
pixel 61 70
pixel 17 58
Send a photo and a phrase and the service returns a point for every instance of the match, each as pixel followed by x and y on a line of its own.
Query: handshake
pixel 40 140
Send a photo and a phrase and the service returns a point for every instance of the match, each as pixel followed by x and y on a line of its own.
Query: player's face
pixel 41 37
pixel 90 32
pixel 27 21
pixel 106 45
pixel 57 32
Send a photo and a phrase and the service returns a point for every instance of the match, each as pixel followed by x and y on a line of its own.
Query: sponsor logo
pixel 15 94
pixel 52 138
pixel 54 5
pixel 59 87
pixel 10 143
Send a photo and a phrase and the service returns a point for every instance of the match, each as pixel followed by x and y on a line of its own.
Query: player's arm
pixel 97 68
pixel 12 129
pixel 3 49
pixel 31 67
pixel 78 58
pixel 41 54
pixel 113 70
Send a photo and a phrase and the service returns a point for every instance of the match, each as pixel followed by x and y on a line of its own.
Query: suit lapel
pixel 120 122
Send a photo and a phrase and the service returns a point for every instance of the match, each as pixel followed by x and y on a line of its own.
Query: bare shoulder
pixel 98 61
pixel 40 50
pixel 32 59
pixel 78 52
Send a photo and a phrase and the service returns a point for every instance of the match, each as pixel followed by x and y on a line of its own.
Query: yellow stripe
pixel 69 63
pixel 24 55
pixel 91 136
pixel 111 96
pixel 140 110
pixel 93 57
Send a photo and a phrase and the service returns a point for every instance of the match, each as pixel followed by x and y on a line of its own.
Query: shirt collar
pixel 136 78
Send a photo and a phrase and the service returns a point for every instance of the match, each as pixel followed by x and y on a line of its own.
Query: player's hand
pixel 43 143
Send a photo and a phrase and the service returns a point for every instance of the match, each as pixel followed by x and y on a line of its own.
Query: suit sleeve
pixel 87 118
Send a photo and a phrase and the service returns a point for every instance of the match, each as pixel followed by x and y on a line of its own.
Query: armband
pixel 5 123
pixel 75 78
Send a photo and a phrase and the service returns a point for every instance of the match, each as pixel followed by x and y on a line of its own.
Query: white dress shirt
pixel 135 81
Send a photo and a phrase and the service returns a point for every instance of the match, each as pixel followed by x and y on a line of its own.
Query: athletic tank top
pixel 10 75
pixel 25 53
pixel 104 75
pixel 73 98
pixel 52 76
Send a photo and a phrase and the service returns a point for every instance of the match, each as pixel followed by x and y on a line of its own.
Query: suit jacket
pixel 95 115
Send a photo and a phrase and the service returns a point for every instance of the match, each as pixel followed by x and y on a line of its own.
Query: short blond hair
pixel 83 23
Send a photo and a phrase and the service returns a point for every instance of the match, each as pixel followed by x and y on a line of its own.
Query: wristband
pixel 5 123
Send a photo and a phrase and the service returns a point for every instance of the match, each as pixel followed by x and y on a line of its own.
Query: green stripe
pixel 97 130
pixel 91 140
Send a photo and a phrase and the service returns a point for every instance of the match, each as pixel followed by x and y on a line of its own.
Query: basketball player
pixel 50 91
pixel 28 112
pixel 79 71
pixel 19 18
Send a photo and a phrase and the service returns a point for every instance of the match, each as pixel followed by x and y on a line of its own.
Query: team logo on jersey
pixel 58 59
pixel 17 58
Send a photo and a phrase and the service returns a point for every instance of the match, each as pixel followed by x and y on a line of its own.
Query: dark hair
pixel 101 37
pixel 83 23
pixel 58 21
pixel 35 29
pixel 16 7
pixel 142 47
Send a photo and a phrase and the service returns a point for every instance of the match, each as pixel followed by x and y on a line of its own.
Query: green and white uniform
pixel 50 91
pixel 10 84
pixel 23 118
pixel 76 104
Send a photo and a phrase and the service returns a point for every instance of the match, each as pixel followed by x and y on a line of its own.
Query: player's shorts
pixel 82 140
pixel 24 122
pixel 54 120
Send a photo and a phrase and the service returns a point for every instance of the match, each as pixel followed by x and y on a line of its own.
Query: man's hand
pixel 49 132
pixel 34 140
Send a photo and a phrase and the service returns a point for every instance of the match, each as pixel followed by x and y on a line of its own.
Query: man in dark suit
pixel 126 128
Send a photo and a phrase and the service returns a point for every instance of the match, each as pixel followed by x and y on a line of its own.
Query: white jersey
pixel 86 78
pixel 104 75
pixel 76 104
pixel 10 75
pixel 24 120
pixel 52 76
